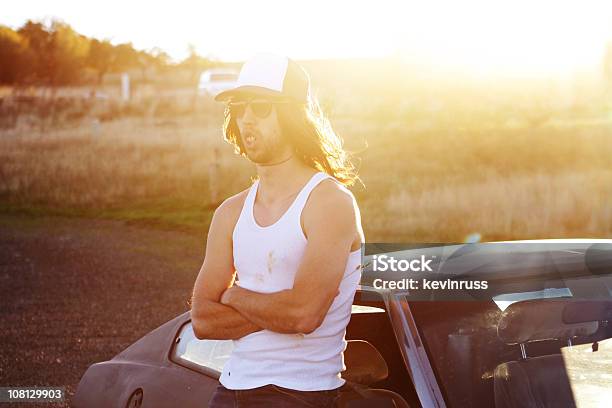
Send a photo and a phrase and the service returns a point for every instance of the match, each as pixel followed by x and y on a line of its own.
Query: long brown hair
pixel 311 135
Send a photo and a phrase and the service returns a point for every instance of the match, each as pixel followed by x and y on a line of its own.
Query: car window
pixel 358 309
pixel 194 353
pixel 506 299
pixel 466 351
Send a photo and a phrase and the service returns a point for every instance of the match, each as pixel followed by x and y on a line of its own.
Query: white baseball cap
pixel 271 75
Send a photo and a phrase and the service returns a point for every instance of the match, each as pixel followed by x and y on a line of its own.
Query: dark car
pixel 537 336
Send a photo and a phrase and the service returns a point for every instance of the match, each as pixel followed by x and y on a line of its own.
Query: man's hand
pixel 227 293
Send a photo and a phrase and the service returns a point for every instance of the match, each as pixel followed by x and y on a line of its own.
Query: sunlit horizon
pixel 480 37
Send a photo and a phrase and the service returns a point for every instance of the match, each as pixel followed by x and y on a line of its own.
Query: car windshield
pixel 542 326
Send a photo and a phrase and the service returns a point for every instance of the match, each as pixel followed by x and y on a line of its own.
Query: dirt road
pixel 77 291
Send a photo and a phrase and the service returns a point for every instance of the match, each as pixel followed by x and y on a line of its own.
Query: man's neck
pixel 278 180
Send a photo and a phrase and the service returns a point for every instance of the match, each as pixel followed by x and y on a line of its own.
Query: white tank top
pixel 266 260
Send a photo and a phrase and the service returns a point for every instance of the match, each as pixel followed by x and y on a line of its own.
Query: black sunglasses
pixel 260 107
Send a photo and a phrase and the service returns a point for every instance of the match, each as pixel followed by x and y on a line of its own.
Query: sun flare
pixel 477 36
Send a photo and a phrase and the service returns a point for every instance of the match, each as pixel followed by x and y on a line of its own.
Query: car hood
pixel 154 345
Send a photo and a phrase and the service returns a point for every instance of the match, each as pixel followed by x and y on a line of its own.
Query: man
pixel 293 239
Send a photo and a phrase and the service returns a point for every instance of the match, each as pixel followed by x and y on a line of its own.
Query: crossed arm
pixel 222 310
pixel 209 318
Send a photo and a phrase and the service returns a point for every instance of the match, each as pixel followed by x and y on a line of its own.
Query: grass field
pixel 434 169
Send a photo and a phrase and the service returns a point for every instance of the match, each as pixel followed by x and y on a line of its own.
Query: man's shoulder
pixel 331 206
pixel 332 198
pixel 331 192
pixel 231 207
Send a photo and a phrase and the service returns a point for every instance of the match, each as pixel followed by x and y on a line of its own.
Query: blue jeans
pixel 272 396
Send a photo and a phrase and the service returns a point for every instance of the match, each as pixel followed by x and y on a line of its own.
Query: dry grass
pixel 434 171
pixel 441 185
pixel 532 206
pixel 106 164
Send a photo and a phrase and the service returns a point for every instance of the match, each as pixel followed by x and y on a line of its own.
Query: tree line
pixel 55 54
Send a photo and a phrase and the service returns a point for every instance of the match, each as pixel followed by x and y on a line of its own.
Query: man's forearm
pixel 277 311
pixel 212 320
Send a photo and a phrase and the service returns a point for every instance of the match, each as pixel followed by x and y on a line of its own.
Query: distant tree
pixel 125 57
pixel 55 54
pixel 194 64
pixel 15 57
pixel 105 58
pixel 58 52
pixel 39 42
pixel 100 58
pixel 145 62
pixel 161 60
pixel 69 51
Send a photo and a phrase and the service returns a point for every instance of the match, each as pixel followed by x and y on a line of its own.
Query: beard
pixel 263 150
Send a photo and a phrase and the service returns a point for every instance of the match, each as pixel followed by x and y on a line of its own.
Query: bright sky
pixel 483 36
